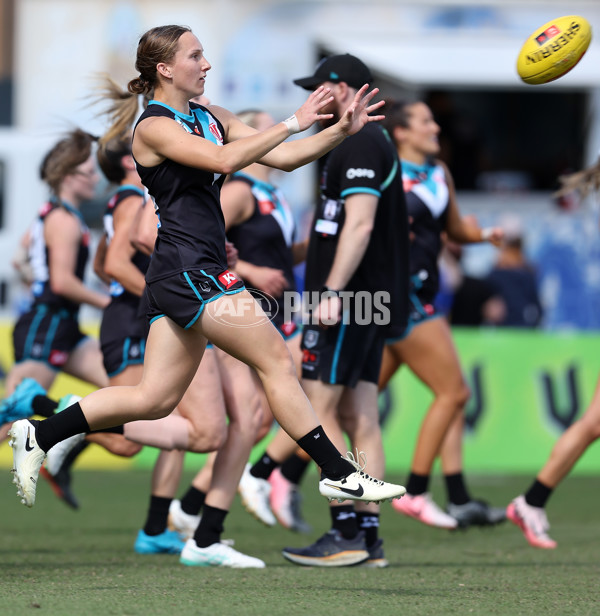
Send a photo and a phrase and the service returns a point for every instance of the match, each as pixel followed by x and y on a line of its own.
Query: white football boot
pixel 28 458
pixel 358 485
pixel 255 494
pixel 184 523
pixel 217 555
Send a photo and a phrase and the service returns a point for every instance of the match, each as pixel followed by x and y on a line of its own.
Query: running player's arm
pixel 99 260
pixel 118 264
pixel 237 203
pixel 144 227
pixel 465 230
pixel 21 261
pixel 62 235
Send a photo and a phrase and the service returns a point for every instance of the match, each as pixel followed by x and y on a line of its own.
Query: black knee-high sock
pixel 456 489
pixel 57 428
pixel 114 430
pixel 318 446
pixel 369 522
pixel 211 526
pixel 343 518
pixel 192 501
pixel 264 466
pixel 294 467
pixel 44 406
pixel 158 513
pixel 417 484
pixel 538 494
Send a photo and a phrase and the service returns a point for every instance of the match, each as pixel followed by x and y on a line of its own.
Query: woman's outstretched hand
pixel 310 112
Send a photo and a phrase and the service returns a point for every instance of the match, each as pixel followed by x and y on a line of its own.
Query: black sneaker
pixel 330 550
pixel 376 559
pixel 476 513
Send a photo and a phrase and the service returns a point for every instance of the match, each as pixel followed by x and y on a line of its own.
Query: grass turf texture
pixel 65 562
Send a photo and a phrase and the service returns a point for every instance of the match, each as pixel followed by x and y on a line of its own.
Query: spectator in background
pixel 468 301
pixel 514 280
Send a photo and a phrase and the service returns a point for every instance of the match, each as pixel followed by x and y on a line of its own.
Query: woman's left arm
pixel 464 229
pixel 290 155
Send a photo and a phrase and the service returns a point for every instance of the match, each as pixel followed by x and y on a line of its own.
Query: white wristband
pixel 292 125
pixel 486 233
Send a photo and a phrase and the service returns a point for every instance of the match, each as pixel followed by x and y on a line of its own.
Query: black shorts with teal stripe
pixel 122 336
pixel 46 334
pixel 342 355
pixel 182 297
pixel 421 308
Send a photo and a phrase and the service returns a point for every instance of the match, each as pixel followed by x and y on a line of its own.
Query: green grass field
pixel 56 561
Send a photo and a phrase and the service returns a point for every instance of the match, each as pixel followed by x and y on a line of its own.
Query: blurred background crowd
pixel 506 143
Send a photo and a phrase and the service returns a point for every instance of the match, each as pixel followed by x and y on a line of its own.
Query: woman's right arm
pixel 99 260
pixel 144 228
pixel 159 138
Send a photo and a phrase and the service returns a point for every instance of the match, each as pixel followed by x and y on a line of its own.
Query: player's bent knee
pixel 207 442
pixel 462 396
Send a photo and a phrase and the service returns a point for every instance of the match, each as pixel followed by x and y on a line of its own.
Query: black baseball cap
pixel 344 67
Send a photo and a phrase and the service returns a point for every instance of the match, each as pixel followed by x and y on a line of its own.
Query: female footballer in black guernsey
pixel 426 346
pixel 183 152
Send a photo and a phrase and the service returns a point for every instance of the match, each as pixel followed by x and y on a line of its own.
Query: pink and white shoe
pixel 532 521
pixel 285 500
pixel 422 507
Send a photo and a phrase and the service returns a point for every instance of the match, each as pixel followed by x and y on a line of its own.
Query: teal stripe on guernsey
pixel 201 117
pixel 197 115
pixel 70 208
pixel 391 176
pixel 394 170
pixel 136 189
pixel 423 173
pixel 360 190
pixel 188 117
pixel 270 190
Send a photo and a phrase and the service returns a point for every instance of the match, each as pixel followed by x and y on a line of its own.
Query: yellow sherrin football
pixel 554 49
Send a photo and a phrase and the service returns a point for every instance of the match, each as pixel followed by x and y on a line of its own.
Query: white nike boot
pixel 28 458
pixel 359 486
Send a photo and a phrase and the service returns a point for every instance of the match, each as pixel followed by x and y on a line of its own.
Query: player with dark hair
pixel 426 346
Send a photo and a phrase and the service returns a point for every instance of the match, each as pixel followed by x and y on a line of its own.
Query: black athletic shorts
pixel 122 336
pixel 342 355
pixel 421 308
pixel 47 335
pixel 182 297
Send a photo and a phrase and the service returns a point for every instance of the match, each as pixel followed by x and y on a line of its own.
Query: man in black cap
pixel 358 262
